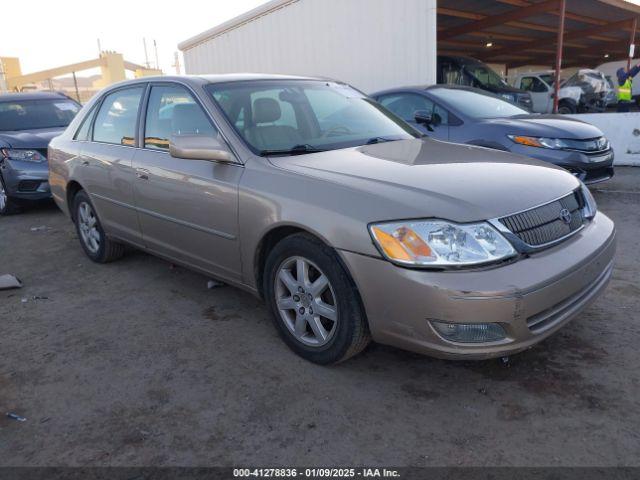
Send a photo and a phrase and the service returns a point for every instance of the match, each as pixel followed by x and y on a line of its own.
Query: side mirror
pixel 199 147
pixel 422 117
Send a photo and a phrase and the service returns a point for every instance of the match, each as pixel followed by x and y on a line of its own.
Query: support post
pixel 632 40
pixel 75 84
pixel 556 85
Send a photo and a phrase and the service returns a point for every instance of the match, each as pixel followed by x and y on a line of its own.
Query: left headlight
pixel 22 155
pixel 542 142
pixel 439 243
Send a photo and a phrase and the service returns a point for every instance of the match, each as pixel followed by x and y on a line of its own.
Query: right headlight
pixel 439 243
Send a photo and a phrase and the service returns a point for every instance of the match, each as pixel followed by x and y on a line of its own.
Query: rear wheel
pixel 8 205
pixel 313 302
pixel 94 241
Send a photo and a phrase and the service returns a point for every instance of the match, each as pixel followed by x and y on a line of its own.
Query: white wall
pixel 372 44
pixel 622 130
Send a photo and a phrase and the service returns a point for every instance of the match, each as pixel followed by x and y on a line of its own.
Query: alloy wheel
pixel 306 301
pixel 88 226
pixel 3 197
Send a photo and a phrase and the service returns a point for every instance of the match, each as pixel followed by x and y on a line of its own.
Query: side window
pixel 442 113
pixel 533 84
pixel 406 104
pixel 116 120
pixel 84 132
pixel 172 111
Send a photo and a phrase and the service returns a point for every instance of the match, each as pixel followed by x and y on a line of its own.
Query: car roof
pixel 427 88
pixel 214 78
pixel 31 96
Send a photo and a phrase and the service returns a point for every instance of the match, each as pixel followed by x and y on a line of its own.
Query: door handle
pixel 142 173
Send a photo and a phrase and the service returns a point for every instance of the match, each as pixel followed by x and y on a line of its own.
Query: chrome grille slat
pixel 543 225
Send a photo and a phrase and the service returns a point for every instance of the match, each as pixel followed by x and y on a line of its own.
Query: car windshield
pixel 294 117
pixel 476 105
pixel 32 114
pixel 484 75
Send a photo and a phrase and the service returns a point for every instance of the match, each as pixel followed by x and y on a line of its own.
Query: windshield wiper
pixel 295 150
pixel 373 140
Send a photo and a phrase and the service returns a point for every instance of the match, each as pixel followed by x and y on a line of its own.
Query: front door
pixel 540 94
pixel 188 209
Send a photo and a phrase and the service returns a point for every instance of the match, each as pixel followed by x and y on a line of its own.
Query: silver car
pixel 347 222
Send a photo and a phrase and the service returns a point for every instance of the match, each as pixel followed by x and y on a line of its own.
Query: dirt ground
pixel 136 363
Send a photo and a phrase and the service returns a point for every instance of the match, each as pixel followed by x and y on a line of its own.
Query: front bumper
pixel 588 168
pixel 531 298
pixel 26 180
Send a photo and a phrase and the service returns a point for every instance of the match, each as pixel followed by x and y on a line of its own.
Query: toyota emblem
pixel 565 216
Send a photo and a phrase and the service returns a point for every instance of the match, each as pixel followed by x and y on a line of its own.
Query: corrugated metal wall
pixel 372 44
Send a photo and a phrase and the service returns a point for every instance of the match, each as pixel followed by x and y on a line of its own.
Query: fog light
pixel 470 332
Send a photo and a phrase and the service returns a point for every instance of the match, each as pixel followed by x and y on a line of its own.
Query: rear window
pixel 33 114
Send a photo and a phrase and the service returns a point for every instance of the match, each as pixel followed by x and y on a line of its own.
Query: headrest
pixel 266 110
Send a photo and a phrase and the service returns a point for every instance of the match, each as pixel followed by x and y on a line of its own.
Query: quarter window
pixel 84 132
pixel 173 111
pixel 116 120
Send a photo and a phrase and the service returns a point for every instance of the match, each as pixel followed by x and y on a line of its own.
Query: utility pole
pixel 3 80
pixel 75 84
pixel 99 49
pixel 155 47
pixel 146 55
pixel 176 62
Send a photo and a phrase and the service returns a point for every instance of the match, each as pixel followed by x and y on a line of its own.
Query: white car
pixel 540 87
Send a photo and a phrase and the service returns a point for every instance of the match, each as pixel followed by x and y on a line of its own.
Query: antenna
pixel 146 55
pixel 155 47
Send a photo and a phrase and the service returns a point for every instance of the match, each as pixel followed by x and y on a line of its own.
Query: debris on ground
pixel 213 284
pixel 35 298
pixel 40 228
pixel 9 281
pixel 15 416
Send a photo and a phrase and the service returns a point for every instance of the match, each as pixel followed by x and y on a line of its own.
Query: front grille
pixel 28 185
pixel 547 224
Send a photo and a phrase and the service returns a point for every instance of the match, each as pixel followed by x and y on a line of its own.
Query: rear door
pixel 188 209
pixel 105 168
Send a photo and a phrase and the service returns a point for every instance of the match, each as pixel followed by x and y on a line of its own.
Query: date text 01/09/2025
pixel 315 473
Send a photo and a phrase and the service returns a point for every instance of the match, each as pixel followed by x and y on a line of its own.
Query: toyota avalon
pixel 344 219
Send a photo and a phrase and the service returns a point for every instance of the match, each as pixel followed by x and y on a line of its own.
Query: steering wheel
pixel 336 130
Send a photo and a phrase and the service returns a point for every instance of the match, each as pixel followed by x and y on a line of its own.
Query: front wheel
pixel 94 241
pixel 314 304
pixel 567 109
pixel 8 206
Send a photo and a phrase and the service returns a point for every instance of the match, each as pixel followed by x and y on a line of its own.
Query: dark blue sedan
pixel 28 122
pixel 472 116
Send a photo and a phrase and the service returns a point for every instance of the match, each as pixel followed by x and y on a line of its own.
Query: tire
pixel 95 243
pixel 567 108
pixel 8 206
pixel 338 328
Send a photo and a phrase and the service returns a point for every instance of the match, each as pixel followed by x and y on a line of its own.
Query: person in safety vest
pixel 625 83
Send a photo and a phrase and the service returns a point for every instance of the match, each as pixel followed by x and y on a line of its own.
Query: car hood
pixel 429 178
pixel 554 126
pixel 39 138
